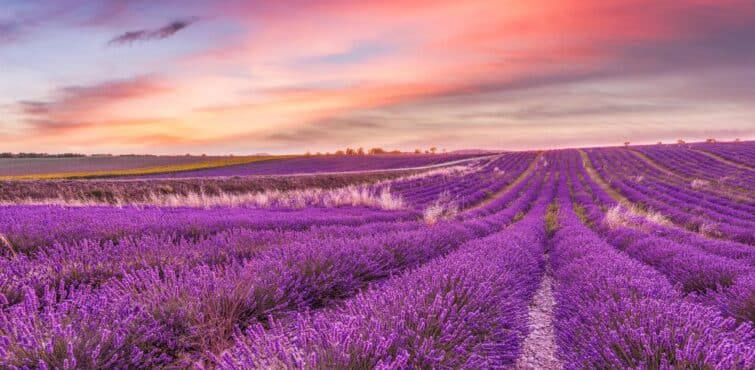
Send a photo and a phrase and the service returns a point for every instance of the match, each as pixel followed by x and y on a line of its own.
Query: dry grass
pixel 354 195
pixel 5 244
pixel 551 219
pixel 619 216
pixel 444 207
pixel 699 184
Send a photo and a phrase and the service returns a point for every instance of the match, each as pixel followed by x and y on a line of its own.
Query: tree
pixel 417 151
pixel 341 152
pixel 433 149
pixel 360 151
pixel 660 143
pixel 626 143
pixel 710 140
pixel 350 151
pixel 377 151
pixel 681 142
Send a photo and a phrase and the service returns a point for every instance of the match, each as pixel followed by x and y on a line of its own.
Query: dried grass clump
pixel 444 207
pixel 619 216
pixel 699 184
pixel 6 245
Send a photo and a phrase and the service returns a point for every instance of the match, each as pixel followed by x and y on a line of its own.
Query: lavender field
pixel 609 258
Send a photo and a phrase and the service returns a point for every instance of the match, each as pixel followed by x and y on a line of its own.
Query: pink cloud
pixel 77 107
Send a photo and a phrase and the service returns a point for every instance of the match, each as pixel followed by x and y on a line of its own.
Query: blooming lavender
pixel 645 270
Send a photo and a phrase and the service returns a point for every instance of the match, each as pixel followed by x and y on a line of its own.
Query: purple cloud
pixel 166 31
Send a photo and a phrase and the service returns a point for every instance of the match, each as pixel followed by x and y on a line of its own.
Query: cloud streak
pixel 170 29
pixel 77 107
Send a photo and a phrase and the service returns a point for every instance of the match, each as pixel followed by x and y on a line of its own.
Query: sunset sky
pixel 222 77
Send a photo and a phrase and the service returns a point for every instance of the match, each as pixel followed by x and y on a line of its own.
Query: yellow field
pixel 146 170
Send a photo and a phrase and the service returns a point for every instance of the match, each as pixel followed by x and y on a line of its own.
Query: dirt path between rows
pixel 615 194
pixel 539 348
pixel 532 166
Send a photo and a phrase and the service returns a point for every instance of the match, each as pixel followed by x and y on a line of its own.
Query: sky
pixel 222 77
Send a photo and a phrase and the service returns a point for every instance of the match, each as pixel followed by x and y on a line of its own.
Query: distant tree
pixel 626 143
pixel 681 142
pixel 350 151
pixel 318 153
pixel 660 143
pixel 376 151
pixel 360 151
pixel 395 152
pixel 6 155
pixel 433 149
pixel 341 152
pixel 737 140
pixel 417 151
pixel 710 140
pixel 328 153
pixel 307 153
pixel 427 151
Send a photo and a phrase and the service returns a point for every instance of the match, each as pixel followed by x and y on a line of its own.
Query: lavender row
pixel 195 309
pixel 626 164
pixel 692 163
pixel 468 184
pixel 92 262
pixel 596 202
pixel 467 310
pixel 614 312
pixel 739 152
pixel 709 276
pixel 701 220
pixel 27 228
pixel 673 187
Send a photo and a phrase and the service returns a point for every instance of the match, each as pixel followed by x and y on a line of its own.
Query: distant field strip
pixel 232 161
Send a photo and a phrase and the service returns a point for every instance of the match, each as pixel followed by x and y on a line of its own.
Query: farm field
pixel 323 164
pixel 164 167
pixel 616 257
pixel 112 166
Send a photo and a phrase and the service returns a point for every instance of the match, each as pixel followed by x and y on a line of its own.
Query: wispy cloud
pixel 163 32
pixel 74 107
